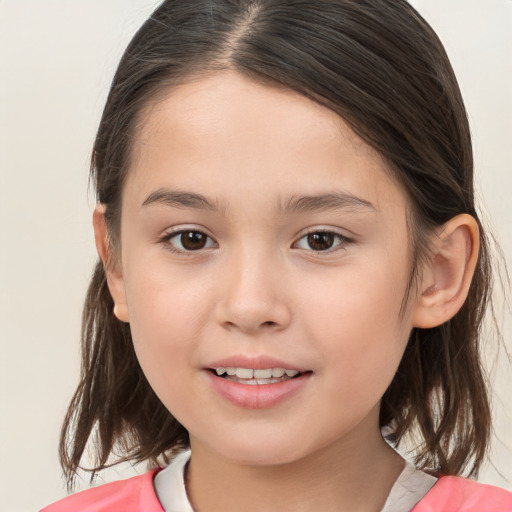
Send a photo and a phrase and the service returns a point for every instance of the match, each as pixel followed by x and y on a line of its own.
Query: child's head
pixel 316 157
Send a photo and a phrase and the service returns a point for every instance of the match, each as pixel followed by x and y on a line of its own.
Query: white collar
pixel 170 485
pixel 408 489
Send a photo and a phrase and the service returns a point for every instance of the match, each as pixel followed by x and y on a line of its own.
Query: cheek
pixel 363 297
pixel 164 299
pixel 355 319
pixel 167 318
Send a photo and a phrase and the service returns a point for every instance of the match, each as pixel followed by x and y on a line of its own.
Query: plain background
pixel 57 59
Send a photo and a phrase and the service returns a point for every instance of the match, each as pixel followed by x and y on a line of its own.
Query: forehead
pixel 220 102
pixel 223 126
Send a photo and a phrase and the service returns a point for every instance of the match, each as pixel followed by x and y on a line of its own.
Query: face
pixel 264 260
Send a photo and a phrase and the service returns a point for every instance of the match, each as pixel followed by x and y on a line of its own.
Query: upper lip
pixel 257 363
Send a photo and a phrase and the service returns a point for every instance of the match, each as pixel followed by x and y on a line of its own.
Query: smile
pixel 256 393
pixel 252 376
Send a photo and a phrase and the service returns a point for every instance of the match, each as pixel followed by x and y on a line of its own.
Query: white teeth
pixel 263 374
pixel 245 373
pixel 249 373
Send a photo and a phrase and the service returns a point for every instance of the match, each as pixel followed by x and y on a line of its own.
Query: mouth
pixel 253 376
pixel 256 382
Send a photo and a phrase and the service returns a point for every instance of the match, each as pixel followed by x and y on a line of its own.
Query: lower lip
pixel 257 396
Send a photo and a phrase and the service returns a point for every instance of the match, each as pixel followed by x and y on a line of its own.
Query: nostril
pixel 269 323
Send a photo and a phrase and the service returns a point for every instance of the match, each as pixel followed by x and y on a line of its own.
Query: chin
pixel 261 451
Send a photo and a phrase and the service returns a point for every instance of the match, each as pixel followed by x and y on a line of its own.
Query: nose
pixel 252 295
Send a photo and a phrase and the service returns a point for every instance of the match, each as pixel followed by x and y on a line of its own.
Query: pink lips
pixel 256 396
pixel 257 363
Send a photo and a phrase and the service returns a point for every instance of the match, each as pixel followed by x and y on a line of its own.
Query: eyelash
pixel 167 238
pixel 342 240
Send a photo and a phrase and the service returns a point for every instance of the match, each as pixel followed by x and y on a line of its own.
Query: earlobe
pixel 111 264
pixel 447 276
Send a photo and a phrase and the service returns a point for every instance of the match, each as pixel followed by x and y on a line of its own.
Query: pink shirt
pixel 137 494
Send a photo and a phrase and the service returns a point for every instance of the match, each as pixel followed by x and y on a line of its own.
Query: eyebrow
pixel 326 202
pixel 295 204
pixel 181 199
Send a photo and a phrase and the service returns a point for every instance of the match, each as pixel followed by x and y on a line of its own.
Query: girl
pixel 292 268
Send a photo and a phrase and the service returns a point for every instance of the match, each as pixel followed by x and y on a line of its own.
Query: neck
pixel 342 476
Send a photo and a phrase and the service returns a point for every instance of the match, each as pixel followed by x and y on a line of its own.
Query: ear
pixel 111 263
pixel 447 276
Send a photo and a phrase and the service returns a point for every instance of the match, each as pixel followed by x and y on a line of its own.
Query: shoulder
pixel 134 494
pixel 454 494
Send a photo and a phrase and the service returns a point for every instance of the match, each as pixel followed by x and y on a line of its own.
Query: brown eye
pixel 193 240
pixel 321 241
pixel 186 241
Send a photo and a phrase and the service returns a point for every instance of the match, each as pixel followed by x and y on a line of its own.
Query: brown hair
pixel 381 67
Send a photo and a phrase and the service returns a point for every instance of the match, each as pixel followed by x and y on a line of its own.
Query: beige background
pixel 57 58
